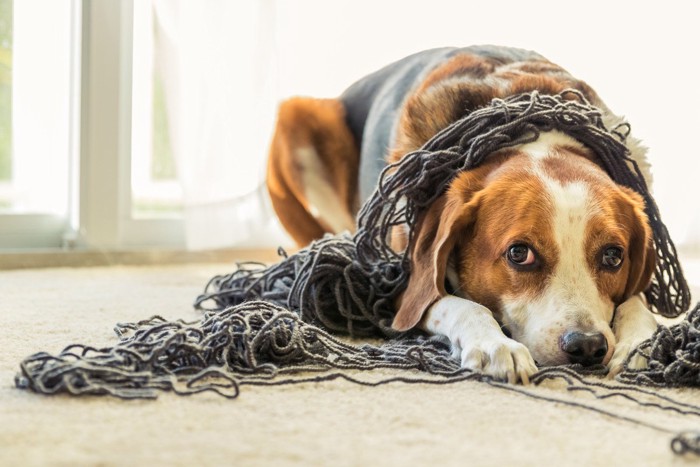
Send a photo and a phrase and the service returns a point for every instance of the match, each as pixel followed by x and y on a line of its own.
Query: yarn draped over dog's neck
pixel 408 187
pixel 350 285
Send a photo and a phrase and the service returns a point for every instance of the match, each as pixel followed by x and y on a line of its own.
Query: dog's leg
pixel 312 169
pixel 477 340
pixel 633 324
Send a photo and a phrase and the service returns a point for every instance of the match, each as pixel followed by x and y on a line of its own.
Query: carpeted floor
pixel 331 423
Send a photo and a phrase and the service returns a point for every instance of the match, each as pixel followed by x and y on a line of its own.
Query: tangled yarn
pixel 247 344
pixel 673 354
pixel 259 343
pixel 350 284
pixel 409 186
pixel 272 325
pixel 323 283
pixel 260 340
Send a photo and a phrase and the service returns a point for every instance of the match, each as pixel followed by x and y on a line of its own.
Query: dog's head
pixel 550 244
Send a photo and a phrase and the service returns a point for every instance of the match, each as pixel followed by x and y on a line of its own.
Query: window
pixel 65 132
pixel 36 115
pixel 90 160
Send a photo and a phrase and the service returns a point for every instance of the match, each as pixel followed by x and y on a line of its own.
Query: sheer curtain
pixel 228 63
pixel 217 61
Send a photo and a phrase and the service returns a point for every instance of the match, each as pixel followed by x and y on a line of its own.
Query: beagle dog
pixel 535 257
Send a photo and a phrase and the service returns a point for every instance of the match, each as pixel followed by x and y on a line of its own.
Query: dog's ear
pixel 641 254
pixel 434 239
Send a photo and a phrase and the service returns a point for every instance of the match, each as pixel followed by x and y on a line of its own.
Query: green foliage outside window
pixel 5 89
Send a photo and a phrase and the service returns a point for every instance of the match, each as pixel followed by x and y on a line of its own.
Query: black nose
pixel 587 348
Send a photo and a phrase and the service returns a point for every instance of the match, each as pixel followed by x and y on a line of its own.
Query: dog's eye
pixel 520 255
pixel 612 257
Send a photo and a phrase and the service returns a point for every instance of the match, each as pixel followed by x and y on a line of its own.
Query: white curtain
pixel 217 62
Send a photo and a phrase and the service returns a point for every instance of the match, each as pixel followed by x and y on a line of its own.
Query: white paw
pixel 622 350
pixel 504 359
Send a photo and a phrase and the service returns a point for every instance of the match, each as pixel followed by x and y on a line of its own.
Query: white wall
pixel 640 56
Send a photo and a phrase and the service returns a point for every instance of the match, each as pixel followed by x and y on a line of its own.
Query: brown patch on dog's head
pixel 484 212
pixel 514 210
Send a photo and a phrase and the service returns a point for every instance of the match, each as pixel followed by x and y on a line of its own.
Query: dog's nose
pixel 586 348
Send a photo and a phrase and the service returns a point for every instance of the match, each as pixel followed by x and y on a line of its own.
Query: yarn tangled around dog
pixel 262 325
pixel 673 355
pixel 351 283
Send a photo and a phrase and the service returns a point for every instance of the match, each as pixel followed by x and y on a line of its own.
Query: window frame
pixel 105 205
pixel 99 214
pixel 45 230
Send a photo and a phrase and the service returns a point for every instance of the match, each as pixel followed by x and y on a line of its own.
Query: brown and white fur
pixel 550 196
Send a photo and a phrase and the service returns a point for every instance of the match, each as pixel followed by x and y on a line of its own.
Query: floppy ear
pixel 434 239
pixel 641 255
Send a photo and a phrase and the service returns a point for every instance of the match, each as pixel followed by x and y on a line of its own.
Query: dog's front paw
pixel 504 359
pixel 622 351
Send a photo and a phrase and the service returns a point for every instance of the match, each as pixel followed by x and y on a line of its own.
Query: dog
pixel 535 257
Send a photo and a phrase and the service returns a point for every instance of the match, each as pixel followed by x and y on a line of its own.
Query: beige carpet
pixel 332 423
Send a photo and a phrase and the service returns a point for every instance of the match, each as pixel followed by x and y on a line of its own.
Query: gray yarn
pixel 247 344
pixel 258 343
pixel 323 283
pixel 350 285
pixel 423 175
pixel 673 354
